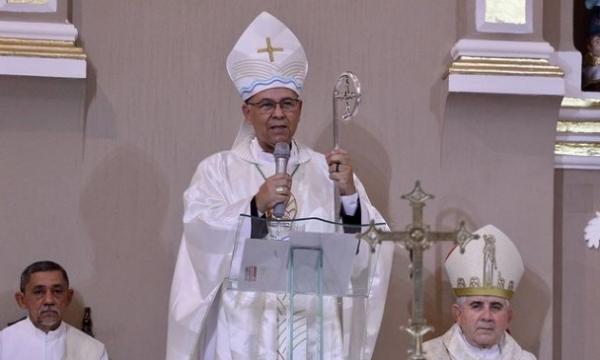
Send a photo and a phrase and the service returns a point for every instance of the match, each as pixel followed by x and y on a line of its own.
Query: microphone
pixel 281 155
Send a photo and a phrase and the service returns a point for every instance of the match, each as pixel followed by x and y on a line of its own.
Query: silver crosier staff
pixel 346 100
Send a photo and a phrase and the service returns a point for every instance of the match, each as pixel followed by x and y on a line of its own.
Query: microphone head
pixel 282 150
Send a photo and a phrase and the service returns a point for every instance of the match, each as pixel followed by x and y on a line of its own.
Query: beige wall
pixel 93 171
pixel 561 12
pixel 578 199
pixel 497 167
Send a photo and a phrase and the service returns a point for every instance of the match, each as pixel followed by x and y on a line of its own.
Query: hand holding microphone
pixel 281 155
pixel 274 193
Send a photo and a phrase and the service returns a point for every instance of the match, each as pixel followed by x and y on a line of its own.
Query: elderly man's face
pixel 46 297
pixel 483 319
pixel 273 124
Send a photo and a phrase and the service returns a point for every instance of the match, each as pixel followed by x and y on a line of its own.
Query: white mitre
pixel 490 265
pixel 267 55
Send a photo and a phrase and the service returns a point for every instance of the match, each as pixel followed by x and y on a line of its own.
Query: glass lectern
pixel 310 265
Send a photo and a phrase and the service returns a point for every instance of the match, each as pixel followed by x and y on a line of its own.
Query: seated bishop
pixel 484 278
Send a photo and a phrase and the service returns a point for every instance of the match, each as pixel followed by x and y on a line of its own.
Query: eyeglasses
pixel 267 106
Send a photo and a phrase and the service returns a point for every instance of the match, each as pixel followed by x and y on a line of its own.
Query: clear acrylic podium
pixel 309 264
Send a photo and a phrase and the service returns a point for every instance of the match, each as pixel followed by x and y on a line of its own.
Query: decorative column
pixel 504 93
pixel 501 52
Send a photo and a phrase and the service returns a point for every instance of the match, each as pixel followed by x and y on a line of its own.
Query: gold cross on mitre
pixel 269 49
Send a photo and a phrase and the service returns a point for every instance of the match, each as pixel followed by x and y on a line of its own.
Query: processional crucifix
pixel 417 238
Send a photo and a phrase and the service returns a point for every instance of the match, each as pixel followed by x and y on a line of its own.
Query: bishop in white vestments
pixel 208 321
pixel 484 279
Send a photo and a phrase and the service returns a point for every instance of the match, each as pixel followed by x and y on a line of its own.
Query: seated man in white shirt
pixel 45 294
pixel 484 279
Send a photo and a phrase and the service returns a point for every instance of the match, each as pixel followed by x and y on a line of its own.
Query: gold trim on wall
pixel 477 65
pixel 578 127
pixel 569 102
pixel 577 149
pixel 40 48
pixel 585 125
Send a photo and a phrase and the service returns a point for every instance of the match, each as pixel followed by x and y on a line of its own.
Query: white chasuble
pixel 207 321
pixel 453 346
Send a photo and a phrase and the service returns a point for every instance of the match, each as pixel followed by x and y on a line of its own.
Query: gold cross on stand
pixel 269 49
pixel 417 238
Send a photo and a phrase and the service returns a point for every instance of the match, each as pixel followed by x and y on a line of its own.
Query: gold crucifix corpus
pixel 269 49
pixel 417 238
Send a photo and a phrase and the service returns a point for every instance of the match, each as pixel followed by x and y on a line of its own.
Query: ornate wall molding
pixel 499 48
pixel 37 30
pixel 578 135
pixel 40 49
pixel 504 67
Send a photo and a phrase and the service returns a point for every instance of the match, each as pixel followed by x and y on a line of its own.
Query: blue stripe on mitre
pixel 247 90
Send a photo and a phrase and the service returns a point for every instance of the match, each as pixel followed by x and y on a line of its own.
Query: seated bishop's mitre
pixel 490 265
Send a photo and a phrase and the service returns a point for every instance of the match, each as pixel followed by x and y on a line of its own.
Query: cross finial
pixel 269 49
pixel 417 195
